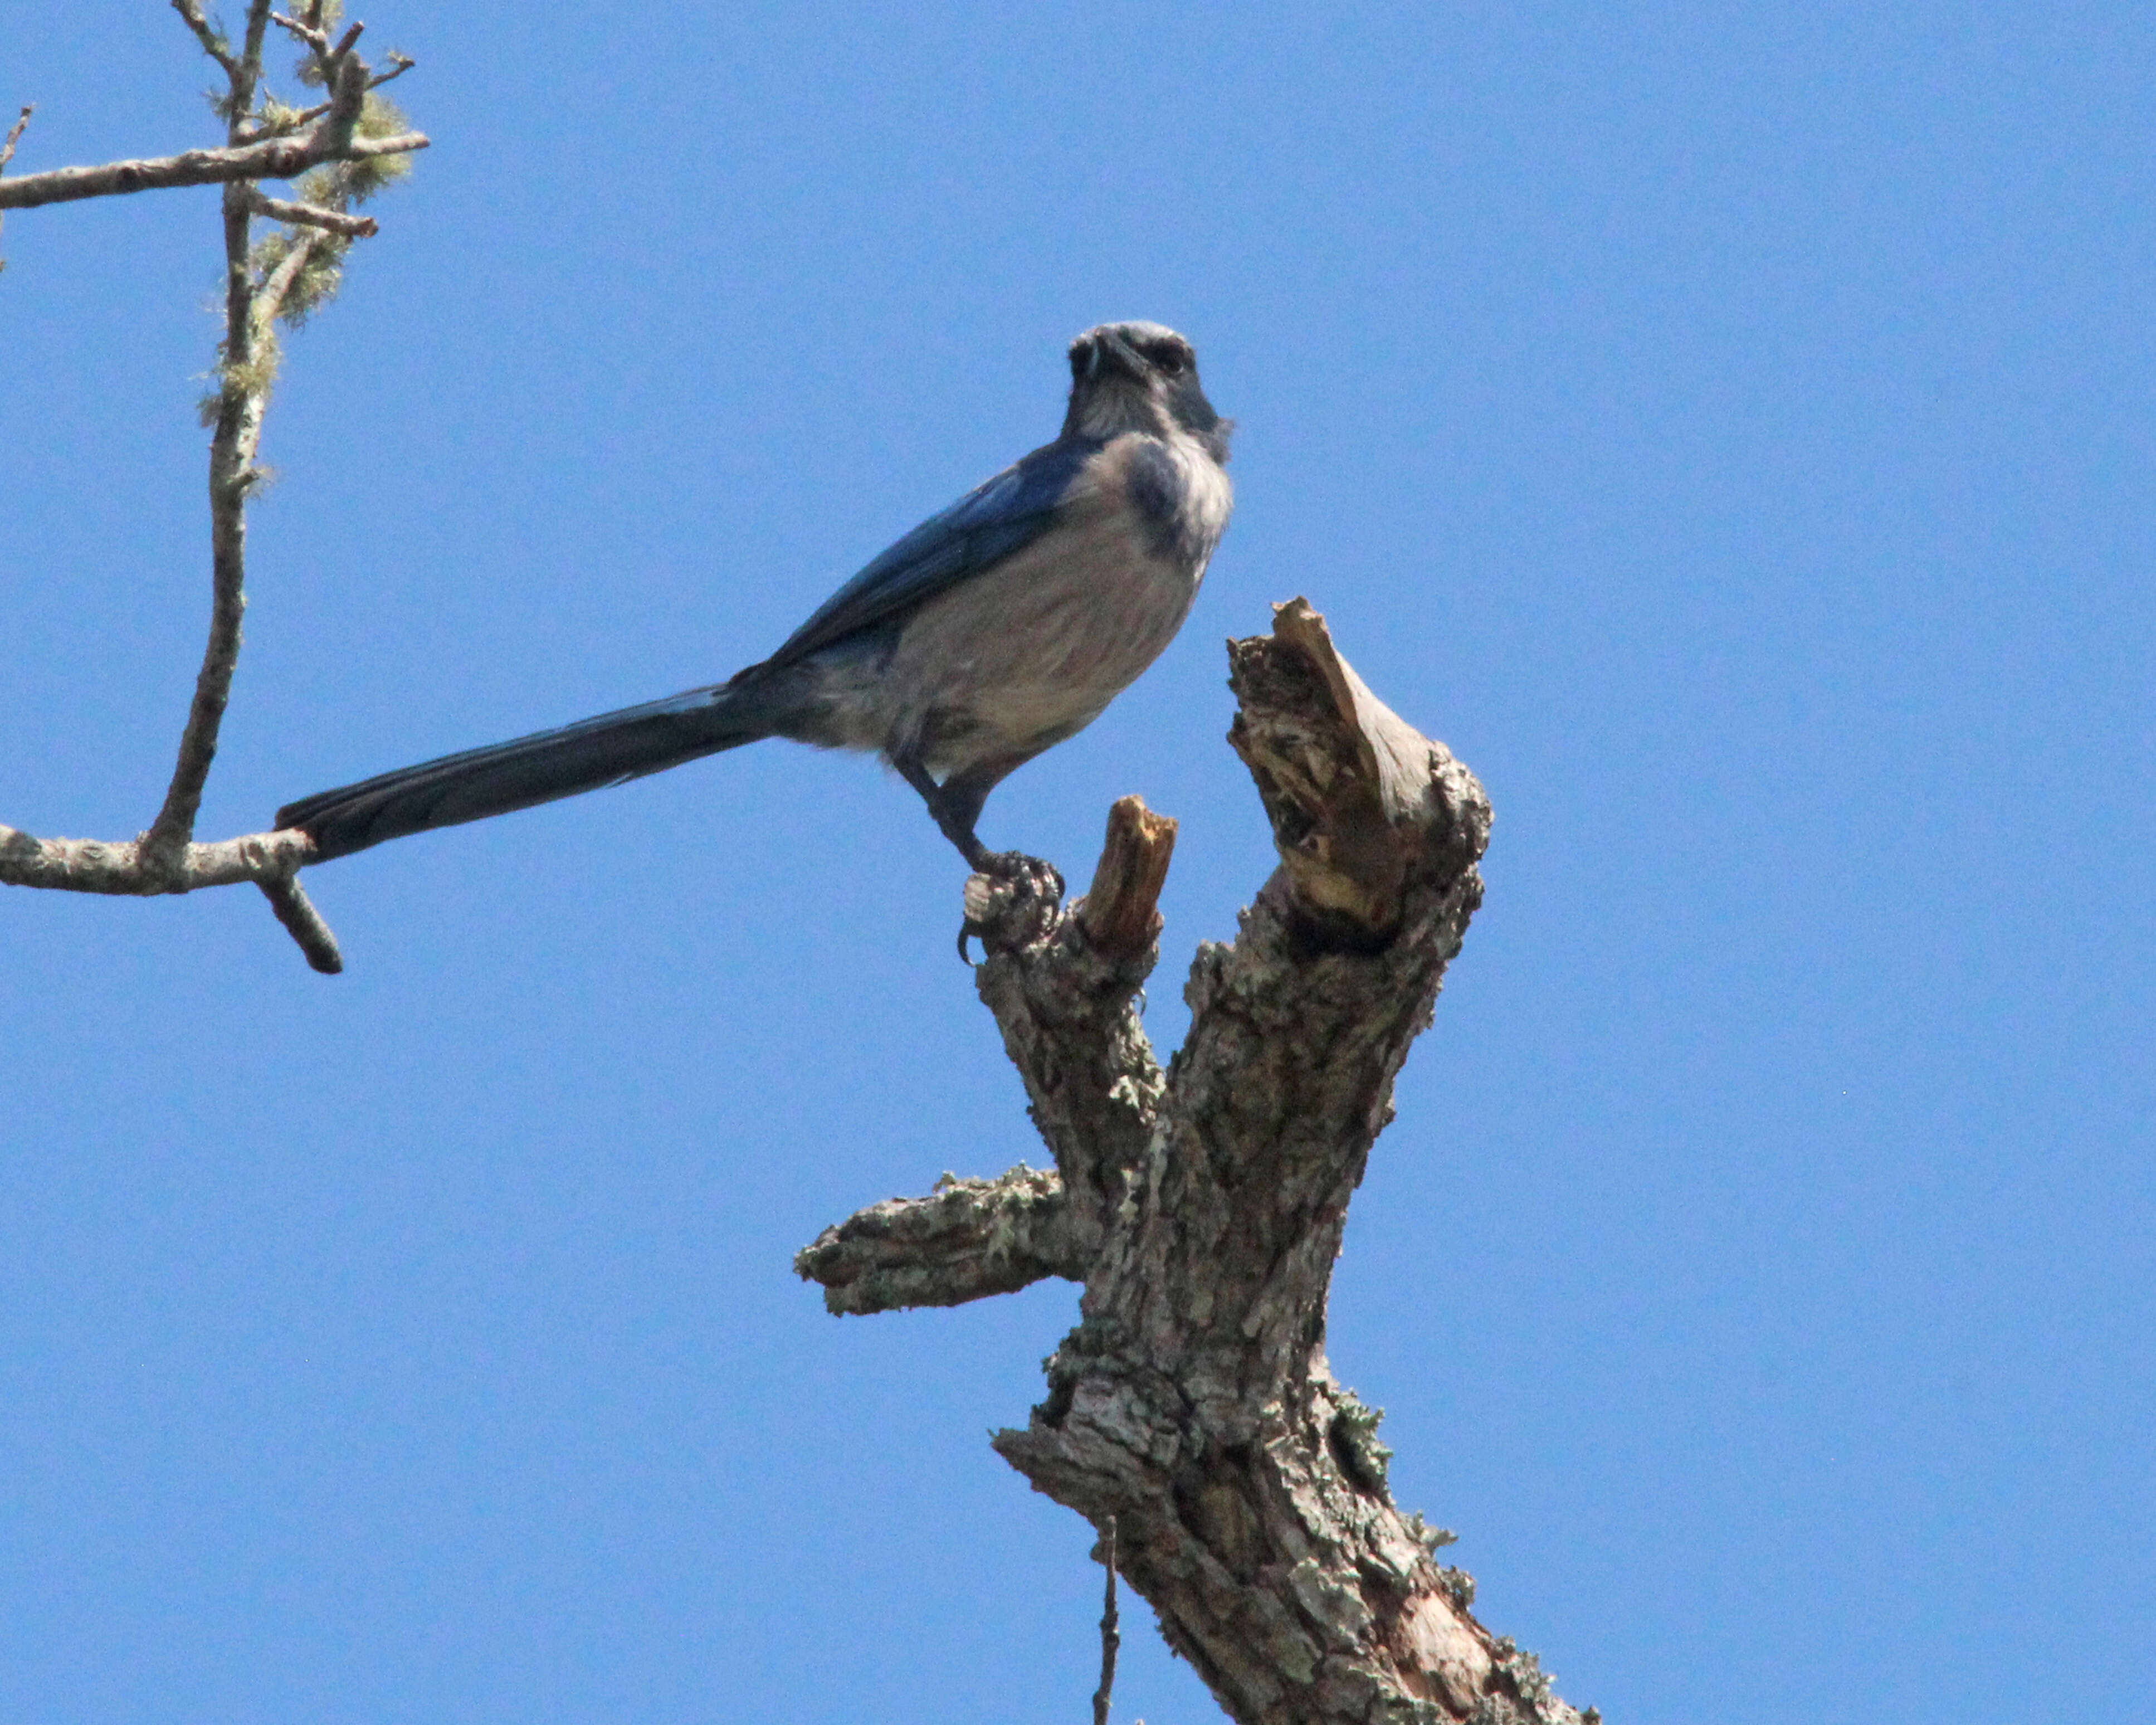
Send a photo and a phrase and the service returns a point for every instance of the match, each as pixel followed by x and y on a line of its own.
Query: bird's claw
pixel 1011 899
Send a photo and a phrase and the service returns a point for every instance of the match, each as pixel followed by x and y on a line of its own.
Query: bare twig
pixel 271 860
pixel 247 77
pixel 1109 1640
pixel 243 382
pixel 251 310
pixel 399 64
pixel 316 39
pixel 165 859
pixel 308 215
pixel 7 149
pixel 243 396
pixel 348 76
pixel 269 297
pixel 328 61
pixel 92 865
pixel 304 923
pixel 212 39
pixel 15 136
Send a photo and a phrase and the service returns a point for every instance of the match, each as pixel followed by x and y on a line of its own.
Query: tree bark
pixel 1203 1209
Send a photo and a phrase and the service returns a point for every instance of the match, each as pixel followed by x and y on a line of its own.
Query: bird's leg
pixel 962 797
pixel 955 818
pixel 1019 881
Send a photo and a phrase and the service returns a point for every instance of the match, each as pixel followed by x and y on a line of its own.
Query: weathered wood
pixel 966 1240
pixel 1358 798
pixel 1120 912
pixel 1193 1408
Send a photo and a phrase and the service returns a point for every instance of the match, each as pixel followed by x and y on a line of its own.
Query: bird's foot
pixel 1012 900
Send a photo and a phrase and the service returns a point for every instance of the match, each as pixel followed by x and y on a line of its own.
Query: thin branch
pixel 269 297
pixel 116 871
pixel 312 37
pixel 399 64
pixel 308 215
pixel 332 63
pixel 304 923
pixel 211 39
pixel 243 392
pixel 279 158
pixel 244 376
pixel 15 136
pixel 271 860
pixel 347 75
pixel 247 79
pixel 1109 1640
pixel 244 397
pixel 7 149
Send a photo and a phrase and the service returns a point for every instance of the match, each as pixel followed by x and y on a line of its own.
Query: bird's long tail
pixel 587 756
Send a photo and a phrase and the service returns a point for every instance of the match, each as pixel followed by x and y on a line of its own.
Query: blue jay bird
pixel 989 633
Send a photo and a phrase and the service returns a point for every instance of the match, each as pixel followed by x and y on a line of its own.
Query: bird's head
pixel 1141 377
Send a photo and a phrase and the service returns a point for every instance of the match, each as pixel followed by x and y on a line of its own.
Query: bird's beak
pixel 1111 352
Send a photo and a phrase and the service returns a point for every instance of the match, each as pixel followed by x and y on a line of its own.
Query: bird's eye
pixel 1171 356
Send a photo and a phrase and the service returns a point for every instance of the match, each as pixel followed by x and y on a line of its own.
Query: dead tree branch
pixel 1193 1408
pixel 211 39
pixel 116 871
pixel 15 134
pixel 271 860
pixel 257 146
pixel 275 158
pixel 355 146
pixel 965 1241
pixel 283 124
pixel 1110 1639
pixel 8 152
pixel 308 215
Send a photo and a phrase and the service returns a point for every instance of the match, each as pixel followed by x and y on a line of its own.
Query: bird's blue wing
pixel 1000 517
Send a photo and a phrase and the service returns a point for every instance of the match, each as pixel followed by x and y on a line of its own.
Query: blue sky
pixel 1729 427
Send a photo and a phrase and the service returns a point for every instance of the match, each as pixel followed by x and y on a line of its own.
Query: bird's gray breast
pixel 1028 652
